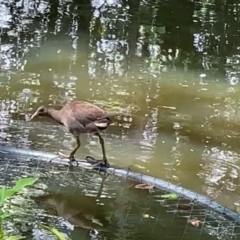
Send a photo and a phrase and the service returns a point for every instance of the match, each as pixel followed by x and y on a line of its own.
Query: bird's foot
pixel 91 159
pixel 64 155
pixel 129 169
pixel 69 157
pixel 98 163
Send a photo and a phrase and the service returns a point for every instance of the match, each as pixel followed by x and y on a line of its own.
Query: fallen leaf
pixel 170 196
pixel 144 186
pixel 195 222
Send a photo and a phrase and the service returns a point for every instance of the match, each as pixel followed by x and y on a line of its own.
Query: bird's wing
pixel 74 126
pixel 83 112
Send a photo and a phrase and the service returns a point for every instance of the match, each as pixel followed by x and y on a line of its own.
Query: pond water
pixel 84 204
pixel 175 66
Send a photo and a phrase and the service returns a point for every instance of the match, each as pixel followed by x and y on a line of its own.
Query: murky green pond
pixel 175 66
pixel 85 204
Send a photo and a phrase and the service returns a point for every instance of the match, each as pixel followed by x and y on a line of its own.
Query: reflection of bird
pixel 80 210
pixel 80 117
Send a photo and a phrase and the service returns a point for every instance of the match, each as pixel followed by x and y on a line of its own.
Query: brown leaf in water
pixel 144 186
pixel 195 222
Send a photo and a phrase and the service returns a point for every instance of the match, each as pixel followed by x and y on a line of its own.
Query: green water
pixel 175 65
pixel 85 204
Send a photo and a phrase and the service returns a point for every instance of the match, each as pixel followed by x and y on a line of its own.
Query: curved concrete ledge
pixel 160 184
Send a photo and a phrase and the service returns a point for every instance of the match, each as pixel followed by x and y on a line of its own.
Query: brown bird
pixel 80 117
pixel 80 210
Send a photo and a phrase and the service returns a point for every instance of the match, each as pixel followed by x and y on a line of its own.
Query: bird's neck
pixel 54 114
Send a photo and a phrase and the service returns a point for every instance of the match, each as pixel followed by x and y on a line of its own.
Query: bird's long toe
pixel 69 157
pixel 100 165
pixel 91 158
pixel 63 155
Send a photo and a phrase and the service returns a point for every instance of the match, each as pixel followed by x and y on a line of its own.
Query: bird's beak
pixel 34 115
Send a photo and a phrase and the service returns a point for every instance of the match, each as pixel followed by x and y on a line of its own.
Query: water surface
pixel 175 66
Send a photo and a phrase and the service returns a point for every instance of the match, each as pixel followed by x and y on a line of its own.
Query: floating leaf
pixel 57 234
pixel 144 186
pixel 21 183
pixel 195 222
pixel 54 231
pixel 170 196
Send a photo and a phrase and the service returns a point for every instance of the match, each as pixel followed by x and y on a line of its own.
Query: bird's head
pixel 41 111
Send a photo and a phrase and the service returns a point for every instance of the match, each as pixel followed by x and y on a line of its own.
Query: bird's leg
pixel 71 155
pixel 103 148
pixel 104 178
pixel 104 160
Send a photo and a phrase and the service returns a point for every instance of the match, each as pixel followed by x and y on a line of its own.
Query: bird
pixel 80 210
pixel 80 117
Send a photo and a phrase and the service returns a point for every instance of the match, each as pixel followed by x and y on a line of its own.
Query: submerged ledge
pixel 128 174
